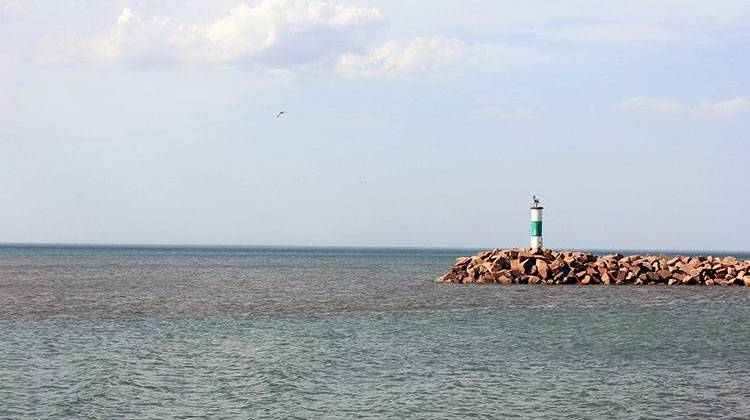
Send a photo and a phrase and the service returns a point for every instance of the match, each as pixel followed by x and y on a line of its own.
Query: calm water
pixel 331 333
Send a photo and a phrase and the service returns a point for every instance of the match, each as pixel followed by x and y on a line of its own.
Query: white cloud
pixel 650 104
pixel 131 39
pixel 275 32
pixel 667 105
pixel 728 107
pixel 393 59
pixel 281 37
pixel 280 31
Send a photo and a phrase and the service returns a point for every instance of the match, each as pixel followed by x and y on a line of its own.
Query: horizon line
pixel 413 247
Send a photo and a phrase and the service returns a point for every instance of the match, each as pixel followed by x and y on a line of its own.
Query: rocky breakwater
pixel 521 266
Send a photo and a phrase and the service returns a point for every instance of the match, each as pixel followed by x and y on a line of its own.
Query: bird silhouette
pixel 280 114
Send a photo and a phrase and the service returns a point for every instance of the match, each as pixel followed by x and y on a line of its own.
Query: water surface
pixel 273 332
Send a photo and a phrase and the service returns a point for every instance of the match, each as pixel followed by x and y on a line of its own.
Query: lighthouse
pixel 536 225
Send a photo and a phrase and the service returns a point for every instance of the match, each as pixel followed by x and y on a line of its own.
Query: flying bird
pixel 280 114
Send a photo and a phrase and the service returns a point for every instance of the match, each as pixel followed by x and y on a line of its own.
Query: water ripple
pixel 262 335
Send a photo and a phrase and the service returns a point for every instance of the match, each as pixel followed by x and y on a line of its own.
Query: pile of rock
pixel 520 266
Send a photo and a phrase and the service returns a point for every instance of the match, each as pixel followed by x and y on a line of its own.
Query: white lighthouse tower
pixel 536 225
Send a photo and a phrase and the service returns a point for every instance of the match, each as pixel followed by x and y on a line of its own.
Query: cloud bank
pixel 278 35
pixel 350 39
pixel 278 32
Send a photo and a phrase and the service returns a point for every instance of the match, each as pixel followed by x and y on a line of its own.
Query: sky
pixel 420 123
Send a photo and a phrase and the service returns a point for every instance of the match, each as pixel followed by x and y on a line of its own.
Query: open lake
pixel 329 333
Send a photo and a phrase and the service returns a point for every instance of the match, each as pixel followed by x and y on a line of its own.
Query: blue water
pixel 143 332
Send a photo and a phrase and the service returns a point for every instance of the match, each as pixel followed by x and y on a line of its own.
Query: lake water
pixel 329 333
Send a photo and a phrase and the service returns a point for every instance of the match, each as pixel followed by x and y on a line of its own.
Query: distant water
pixel 292 332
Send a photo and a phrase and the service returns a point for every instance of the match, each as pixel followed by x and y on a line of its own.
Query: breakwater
pixel 522 266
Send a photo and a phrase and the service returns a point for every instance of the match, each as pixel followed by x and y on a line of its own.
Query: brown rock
pixel 729 261
pixel 612 265
pixel 689 280
pixel 525 253
pixel 522 265
pixel 462 260
pixel 736 281
pixel 568 280
pixel 487 278
pixel 664 274
pixel 504 272
pixel 528 265
pixel 542 268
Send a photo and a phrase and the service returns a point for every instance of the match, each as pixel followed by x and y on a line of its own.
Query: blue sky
pixel 409 123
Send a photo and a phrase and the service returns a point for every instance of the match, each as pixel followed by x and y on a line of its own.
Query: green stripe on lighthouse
pixel 536 228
